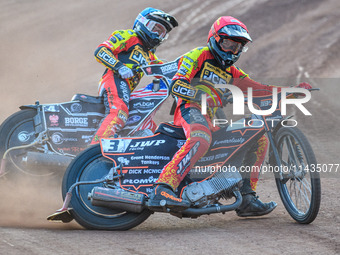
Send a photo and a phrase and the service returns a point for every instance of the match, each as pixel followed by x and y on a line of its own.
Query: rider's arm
pixel 183 89
pixel 242 80
pixel 188 66
pixel 154 59
pixel 180 85
pixel 104 55
pixel 107 51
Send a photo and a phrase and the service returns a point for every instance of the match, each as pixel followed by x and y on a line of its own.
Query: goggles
pixel 157 28
pixel 154 27
pixel 229 45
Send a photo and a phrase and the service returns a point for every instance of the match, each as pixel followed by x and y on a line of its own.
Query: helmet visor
pixel 229 45
pixel 157 28
pixel 235 31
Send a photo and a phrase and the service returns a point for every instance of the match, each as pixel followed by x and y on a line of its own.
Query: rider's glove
pixel 304 85
pixel 125 72
pixel 226 99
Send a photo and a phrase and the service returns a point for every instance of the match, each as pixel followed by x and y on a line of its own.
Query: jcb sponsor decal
pixel 213 75
pixel 105 55
pixel 182 89
pixel 138 55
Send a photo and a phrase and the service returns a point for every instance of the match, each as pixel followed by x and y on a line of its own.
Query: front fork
pixel 276 153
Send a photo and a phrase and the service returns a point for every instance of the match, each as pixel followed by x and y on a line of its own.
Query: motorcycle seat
pixel 88 99
pixel 171 130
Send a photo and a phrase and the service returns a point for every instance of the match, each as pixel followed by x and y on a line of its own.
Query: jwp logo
pixel 238 100
pixel 147 143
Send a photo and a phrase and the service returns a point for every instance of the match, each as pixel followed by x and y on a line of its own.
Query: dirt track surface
pixel 47 54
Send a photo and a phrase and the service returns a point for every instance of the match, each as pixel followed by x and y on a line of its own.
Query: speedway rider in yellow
pixel 123 50
pixel 198 71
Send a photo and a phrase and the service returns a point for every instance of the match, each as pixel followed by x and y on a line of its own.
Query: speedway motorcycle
pixel 42 139
pixel 107 186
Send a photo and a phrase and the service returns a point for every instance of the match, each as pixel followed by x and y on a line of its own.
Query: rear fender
pixel 39 123
pixel 31 106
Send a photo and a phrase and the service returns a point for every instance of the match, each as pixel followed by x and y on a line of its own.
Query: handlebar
pixel 226 99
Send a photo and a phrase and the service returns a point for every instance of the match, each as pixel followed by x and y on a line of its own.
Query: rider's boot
pixel 163 196
pixel 253 206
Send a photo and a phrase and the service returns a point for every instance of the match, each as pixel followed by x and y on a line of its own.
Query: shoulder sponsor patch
pixel 139 56
pixel 214 75
pixel 183 90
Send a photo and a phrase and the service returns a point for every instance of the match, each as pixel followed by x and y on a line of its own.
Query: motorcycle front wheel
pixel 91 165
pixel 299 186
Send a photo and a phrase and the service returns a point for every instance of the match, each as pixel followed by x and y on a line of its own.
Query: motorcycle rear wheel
pixel 91 165
pixel 300 189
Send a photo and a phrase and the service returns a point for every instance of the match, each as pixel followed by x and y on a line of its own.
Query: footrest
pixel 61 216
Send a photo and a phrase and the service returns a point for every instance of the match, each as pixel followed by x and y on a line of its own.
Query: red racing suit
pixel 123 47
pixel 199 68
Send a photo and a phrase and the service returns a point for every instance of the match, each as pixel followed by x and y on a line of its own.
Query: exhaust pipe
pixel 118 199
pixel 37 158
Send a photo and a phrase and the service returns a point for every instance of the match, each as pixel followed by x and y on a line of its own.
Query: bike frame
pixel 54 137
pixel 229 146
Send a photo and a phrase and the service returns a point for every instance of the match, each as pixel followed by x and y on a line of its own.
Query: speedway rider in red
pixel 123 50
pixel 226 41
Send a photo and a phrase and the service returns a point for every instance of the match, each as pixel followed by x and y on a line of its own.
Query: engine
pixel 209 191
